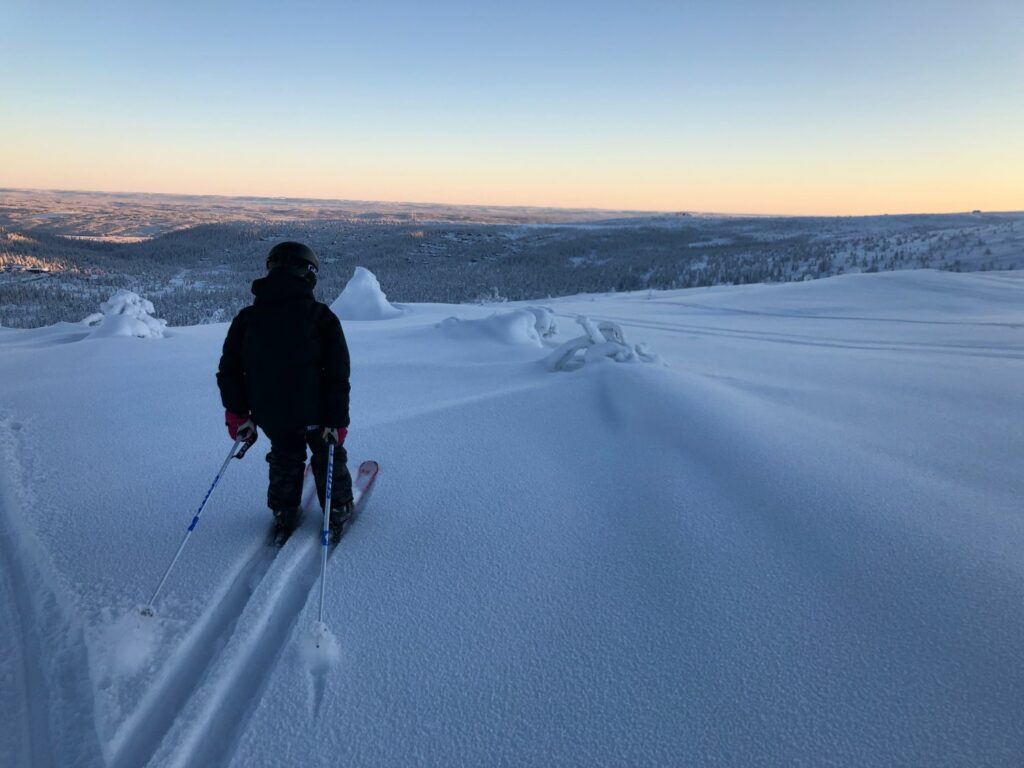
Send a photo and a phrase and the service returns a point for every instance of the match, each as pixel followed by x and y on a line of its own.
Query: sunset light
pixel 744 107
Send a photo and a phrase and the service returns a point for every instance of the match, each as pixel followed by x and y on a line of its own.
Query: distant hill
pixel 61 254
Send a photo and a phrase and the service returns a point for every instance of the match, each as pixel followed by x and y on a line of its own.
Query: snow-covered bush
pixel 126 314
pixel 491 297
pixel 545 321
pixel 601 340
pixel 517 327
pixel 363 299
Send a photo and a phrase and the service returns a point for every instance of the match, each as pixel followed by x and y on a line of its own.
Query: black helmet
pixel 297 258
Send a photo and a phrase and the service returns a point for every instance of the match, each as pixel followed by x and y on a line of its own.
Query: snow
pixel 126 314
pixel 600 342
pixel 320 653
pixel 526 326
pixel 130 639
pixel 363 299
pixel 797 542
pixel 545 322
pixel 516 327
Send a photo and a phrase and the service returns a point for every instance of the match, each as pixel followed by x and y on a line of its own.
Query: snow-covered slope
pixel 797 541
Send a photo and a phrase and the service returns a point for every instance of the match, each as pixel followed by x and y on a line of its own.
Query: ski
pixel 362 487
pixel 330 535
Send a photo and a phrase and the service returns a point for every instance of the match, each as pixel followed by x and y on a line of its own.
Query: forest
pixel 201 272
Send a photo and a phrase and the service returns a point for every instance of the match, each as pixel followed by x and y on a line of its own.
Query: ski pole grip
pixel 241 451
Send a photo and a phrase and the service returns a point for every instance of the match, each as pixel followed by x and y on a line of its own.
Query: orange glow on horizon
pixel 718 183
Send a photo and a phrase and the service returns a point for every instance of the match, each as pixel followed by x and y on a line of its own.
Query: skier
pixel 285 369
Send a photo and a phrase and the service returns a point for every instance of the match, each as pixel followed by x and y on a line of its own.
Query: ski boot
pixel 285 523
pixel 341 516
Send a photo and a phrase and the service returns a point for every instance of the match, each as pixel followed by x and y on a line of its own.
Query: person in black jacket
pixel 285 369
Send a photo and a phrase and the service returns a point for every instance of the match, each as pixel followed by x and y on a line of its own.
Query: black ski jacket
pixel 285 359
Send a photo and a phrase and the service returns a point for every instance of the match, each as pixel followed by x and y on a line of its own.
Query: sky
pixel 818 108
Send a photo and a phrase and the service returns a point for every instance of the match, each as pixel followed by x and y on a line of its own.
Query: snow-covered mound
pixel 516 327
pixel 601 341
pixel 363 299
pixel 126 314
pixel 800 542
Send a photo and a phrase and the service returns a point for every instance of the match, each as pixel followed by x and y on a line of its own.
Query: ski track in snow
pixel 997 351
pixel 140 735
pixel 26 735
pixel 200 658
pixel 213 717
pixel 56 730
pixel 207 672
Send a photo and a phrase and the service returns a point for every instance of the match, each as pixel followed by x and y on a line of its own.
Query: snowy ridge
pixel 797 542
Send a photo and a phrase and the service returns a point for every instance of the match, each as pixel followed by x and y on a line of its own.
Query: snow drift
pixel 518 327
pixel 363 299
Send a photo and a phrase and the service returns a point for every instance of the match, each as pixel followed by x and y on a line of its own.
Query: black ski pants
pixel 287 459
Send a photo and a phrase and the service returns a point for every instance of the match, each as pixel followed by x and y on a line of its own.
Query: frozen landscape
pixel 62 253
pixel 738 525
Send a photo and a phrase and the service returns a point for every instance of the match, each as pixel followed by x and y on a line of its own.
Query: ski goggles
pixel 298 264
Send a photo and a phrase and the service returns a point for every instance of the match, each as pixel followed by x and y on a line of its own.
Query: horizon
pixel 739 109
pixel 639 213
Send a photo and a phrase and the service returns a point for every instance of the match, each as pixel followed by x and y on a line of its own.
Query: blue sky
pixel 795 107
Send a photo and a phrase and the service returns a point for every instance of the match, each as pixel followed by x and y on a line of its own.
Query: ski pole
pixel 327 523
pixel 148 610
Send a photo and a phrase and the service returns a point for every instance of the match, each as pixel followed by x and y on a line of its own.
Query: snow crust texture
pixel 363 299
pixel 798 542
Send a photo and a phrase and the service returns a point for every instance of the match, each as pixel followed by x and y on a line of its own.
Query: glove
pixel 240 427
pixel 335 435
